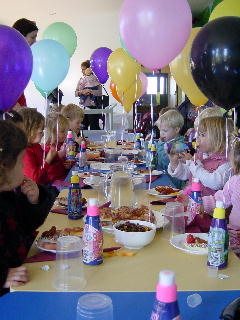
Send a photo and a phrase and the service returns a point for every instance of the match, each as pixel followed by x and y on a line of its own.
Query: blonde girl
pixel 210 164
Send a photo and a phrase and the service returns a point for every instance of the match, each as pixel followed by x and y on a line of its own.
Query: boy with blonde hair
pixel 75 116
pixel 169 124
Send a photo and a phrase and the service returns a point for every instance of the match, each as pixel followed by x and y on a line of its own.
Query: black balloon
pixel 215 61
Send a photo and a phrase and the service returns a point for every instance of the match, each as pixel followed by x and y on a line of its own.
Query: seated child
pixel 230 195
pixel 39 169
pixel 74 115
pixel 14 117
pixel 205 113
pixel 209 164
pixel 56 134
pixel 23 207
pixel 169 125
pixel 89 81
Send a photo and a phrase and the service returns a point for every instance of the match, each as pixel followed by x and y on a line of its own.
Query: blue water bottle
pixel 166 306
pixel 92 235
pixel 82 156
pixel 75 199
pixel 70 147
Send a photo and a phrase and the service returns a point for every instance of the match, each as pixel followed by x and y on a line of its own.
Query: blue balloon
pixel 50 64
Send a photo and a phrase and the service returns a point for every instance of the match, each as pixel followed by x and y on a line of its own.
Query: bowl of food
pixel 134 234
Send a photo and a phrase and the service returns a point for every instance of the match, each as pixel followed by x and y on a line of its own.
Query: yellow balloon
pixel 130 95
pixel 122 69
pixel 180 68
pixel 226 8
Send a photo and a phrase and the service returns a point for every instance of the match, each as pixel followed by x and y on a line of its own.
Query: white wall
pixel 95 23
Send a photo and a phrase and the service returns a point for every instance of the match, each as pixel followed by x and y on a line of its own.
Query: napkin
pixel 154 178
pixel 41 256
pixel 50 256
pixel 162 201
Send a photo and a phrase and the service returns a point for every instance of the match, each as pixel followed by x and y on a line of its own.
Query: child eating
pixel 23 207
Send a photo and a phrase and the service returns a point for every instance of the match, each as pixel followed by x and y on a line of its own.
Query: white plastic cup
pixel 212 272
pixel 94 306
pixel 194 300
pixel 174 220
pixel 69 275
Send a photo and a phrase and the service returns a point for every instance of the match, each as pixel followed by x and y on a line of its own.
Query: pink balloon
pixel 155 31
pixel 144 81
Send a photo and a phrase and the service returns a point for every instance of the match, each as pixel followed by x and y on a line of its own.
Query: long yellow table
pixel 137 273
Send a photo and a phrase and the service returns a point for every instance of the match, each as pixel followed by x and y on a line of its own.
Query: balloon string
pixel 226 138
pixel 234 118
pixel 44 131
pixel 57 127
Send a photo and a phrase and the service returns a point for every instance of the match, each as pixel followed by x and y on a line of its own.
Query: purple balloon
pixel 16 64
pixel 98 63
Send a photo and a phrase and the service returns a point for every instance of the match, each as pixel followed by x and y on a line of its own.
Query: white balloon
pixel 197 6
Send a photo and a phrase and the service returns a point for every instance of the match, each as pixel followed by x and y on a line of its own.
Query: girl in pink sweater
pixel 230 195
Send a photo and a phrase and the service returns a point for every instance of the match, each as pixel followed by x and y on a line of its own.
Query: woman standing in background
pixel 94 90
pixel 29 30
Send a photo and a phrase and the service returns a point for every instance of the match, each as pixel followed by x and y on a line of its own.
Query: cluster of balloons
pixel 128 83
pixel 209 65
pixel 51 56
pixel 16 63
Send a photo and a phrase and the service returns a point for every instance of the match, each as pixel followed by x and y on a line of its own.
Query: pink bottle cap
pixel 93 208
pixel 196 185
pixel 166 288
pixel 69 134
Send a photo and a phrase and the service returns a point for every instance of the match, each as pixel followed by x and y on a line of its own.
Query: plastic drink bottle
pixel 154 160
pixel 138 143
pixel 218 239
pixel 70 147
pixel 195 204
pixel 92 235
pixel 82 156
pixel 176 147
pixel 75 199
pixel 166 306
pixel 148 155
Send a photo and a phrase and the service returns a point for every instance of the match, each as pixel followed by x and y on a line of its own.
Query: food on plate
pixel 195 242
pixel 49 245
pixel 53 234
pixel 144 171
pixel 63 201
pixel 136 161
pixel 132 227
pixel 165 190
pixel 125 213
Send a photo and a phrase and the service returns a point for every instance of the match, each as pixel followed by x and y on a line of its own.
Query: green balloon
pixel 124 48
pixel 42 92
pixel 63 33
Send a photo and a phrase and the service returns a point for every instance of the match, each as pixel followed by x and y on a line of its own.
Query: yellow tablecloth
pixel 137 273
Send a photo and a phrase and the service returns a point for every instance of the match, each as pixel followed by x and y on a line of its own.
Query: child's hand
pixel 184 199
pixel 68 164
pixel 186 156
pixel 62 151
pixel 51 154
pixel 174 160
pixel 16 277
pixel 31 191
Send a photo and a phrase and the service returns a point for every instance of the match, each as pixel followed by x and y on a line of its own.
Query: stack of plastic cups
pixel 94 306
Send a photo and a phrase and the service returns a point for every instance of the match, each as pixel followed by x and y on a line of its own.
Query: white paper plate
pixel 39 243
pixel 153 192
pixel 179 241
